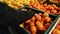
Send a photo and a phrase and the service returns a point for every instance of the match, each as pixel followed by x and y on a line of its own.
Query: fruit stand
pixel 47 15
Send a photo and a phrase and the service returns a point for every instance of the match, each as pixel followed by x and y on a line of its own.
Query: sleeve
pixel 10 16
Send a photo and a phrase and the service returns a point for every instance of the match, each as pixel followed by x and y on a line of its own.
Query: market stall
pixel 45 20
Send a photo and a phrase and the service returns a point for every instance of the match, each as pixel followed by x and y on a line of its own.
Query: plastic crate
pixel 54 26
pixel 50 15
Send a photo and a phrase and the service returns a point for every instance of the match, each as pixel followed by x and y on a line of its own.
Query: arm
pixel 12 16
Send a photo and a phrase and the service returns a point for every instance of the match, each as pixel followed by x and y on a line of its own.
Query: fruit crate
pixel 57 22
pixel 47 7
pixel 38 10
pixel 54 17
pixel 48 2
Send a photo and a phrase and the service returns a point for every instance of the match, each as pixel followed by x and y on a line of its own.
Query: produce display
pixel 45 7
pixel 17 3
pixel 38 24
pixel 57 29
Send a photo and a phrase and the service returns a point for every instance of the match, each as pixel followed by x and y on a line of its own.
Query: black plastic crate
pixel 51 15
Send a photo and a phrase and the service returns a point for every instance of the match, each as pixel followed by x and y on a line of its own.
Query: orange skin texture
pixel 33 19
pixel 47 19
pixel 56 31
pixel 45 15
pixel 33 33
pixel 58 27
pixel 40 26
pixel 31 23
pixel 51 7
pixel 47 7
pixel 42 19
pixel 38 17
pixel 53 11
pixel 33 29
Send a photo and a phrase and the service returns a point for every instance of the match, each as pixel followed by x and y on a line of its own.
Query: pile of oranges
pixel 45 7
pixel 38 24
